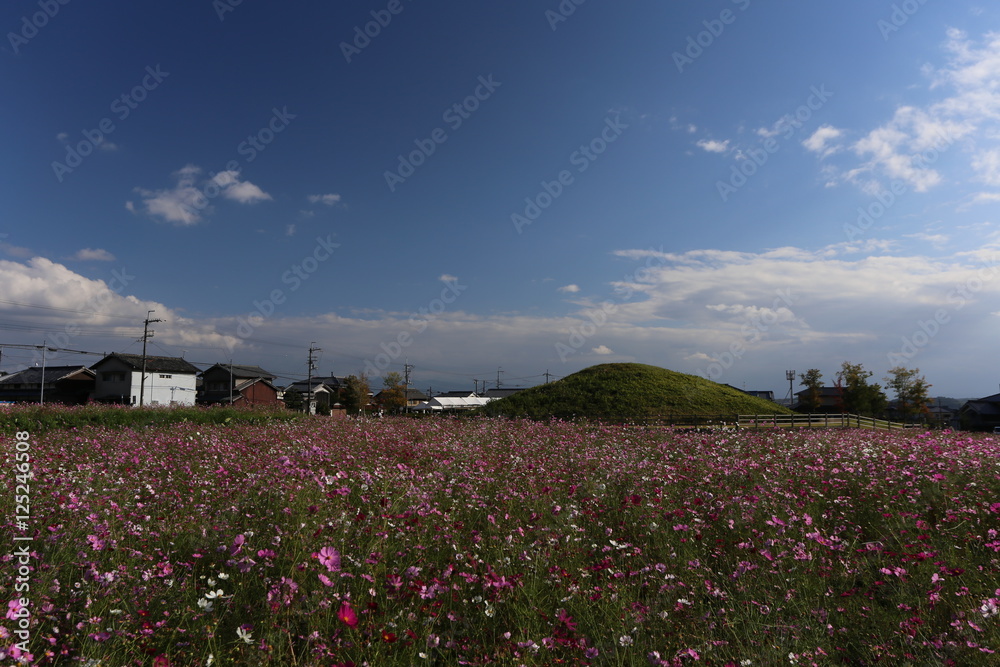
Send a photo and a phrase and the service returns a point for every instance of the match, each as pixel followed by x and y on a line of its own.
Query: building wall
pixel 178 389
pixel 260 394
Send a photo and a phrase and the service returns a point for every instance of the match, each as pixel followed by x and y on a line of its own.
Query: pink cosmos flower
pixel 347 615
pixel 330 558
pixel 13 609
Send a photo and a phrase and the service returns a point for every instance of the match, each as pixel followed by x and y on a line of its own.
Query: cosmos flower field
pixel 483 542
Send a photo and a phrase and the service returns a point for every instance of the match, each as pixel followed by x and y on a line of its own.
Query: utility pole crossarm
pixel 146 334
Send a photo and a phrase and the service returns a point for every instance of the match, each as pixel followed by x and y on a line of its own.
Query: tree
pixel 911 391
pixel 294 400
pixel 355 393
pixel 393 392
pixel 859 397
pixel 811 380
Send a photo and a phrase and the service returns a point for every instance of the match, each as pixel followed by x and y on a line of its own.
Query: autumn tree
pixel 354 395
pixel 812 381
pixel 393 395
pixel 859 397
pixel 911 391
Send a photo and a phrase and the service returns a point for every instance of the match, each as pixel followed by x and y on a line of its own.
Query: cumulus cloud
pixel 961 122
pixel 822 141
pixel 188 201
pixel 602 350
pixel 713 145
pixel 569 289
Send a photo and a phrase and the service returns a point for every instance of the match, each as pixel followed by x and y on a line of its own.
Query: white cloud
pixel 187 203
pixel 822 141
pixel 909 146
pixel 328 199
pixel 602 350
pixel 569 289
pixel 713 146
pixel 243 192
pixel 93 255
pixel 290 230
pixel 183 205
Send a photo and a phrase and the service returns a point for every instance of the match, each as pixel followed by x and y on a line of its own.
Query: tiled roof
pixel 33 375
pixel 153 364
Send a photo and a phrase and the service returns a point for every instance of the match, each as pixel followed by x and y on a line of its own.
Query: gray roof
pixel 34 375
pixel 241 372
pixel 153 364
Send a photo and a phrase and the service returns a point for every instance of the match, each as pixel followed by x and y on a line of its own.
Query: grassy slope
pixel 610 391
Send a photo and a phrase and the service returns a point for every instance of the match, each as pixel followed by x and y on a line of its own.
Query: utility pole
pixel 498 376
pixel 547 374
pixel 790 376
pixel 407 367
pixel 309 382
pixel 41 394
pixel 146 334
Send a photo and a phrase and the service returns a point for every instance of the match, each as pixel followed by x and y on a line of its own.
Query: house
pixel 169 380
pixel 982 414
pixel 452 404
pixel 830 401
pixel 319 390
pixel 237 384
pixel 414 397
pixel 758 393
pixel 71 385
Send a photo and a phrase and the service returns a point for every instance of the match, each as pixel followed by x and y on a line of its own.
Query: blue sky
pixel 728 188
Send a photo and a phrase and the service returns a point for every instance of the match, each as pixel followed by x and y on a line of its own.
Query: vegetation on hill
pixel 629 391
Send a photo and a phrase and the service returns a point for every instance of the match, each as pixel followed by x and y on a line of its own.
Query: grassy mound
pixel 629 391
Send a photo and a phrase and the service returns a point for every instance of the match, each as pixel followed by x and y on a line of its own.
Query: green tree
pixel 393 395
pixel 294 400
pixel 812 381
pixel 354 395
pixel 911 391
pixel 859 397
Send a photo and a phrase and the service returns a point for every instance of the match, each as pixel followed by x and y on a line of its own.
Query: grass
pixel 502 542
pixel 629 391
pixel 42 418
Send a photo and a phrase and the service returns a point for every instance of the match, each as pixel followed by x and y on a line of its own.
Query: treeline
pixel 857 395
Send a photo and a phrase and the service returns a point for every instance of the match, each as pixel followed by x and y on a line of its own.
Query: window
pixel 166 377
pixel 113 377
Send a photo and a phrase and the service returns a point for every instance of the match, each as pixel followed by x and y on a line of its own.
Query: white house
pixel 169 380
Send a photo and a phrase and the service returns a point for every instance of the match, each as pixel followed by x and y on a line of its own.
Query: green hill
pixel 616 391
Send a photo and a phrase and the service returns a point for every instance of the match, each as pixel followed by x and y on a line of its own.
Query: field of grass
pixel 491 542
pixel 615 392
